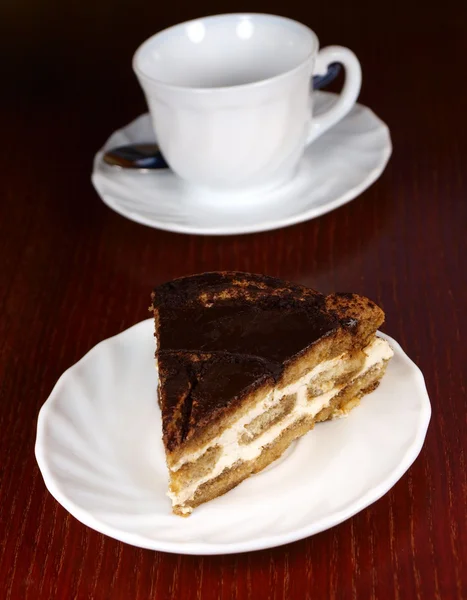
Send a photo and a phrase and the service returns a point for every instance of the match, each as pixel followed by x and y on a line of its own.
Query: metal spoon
pixel 143 157
pixel 148 157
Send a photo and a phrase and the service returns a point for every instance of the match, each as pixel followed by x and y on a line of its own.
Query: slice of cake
pixel 249 363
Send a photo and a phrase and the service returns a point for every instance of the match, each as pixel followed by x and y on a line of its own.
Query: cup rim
pixel 222 89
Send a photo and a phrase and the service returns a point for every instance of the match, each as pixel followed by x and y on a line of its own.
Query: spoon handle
pixel 320 81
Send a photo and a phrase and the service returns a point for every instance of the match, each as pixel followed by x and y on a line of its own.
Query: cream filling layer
pixel 233 450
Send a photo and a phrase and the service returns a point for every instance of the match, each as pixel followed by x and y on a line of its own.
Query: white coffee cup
pixel 230 97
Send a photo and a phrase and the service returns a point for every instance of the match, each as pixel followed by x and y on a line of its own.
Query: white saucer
pixel 334 170
pixel 100 452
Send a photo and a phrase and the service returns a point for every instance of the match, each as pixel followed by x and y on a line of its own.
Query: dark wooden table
pixel 72 273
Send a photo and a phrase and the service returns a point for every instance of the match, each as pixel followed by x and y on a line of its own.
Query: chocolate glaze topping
pixel 221 334
pixel 243 314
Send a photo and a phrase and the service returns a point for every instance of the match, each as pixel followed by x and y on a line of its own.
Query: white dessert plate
pixel 100 452
pixel 335 169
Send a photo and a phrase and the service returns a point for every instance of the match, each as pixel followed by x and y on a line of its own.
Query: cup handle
pixel 350 91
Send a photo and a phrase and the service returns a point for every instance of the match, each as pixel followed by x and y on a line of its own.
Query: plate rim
pixel 300 217
pixel 256 543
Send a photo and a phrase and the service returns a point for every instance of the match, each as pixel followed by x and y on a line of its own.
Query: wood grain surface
pixel 72 273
